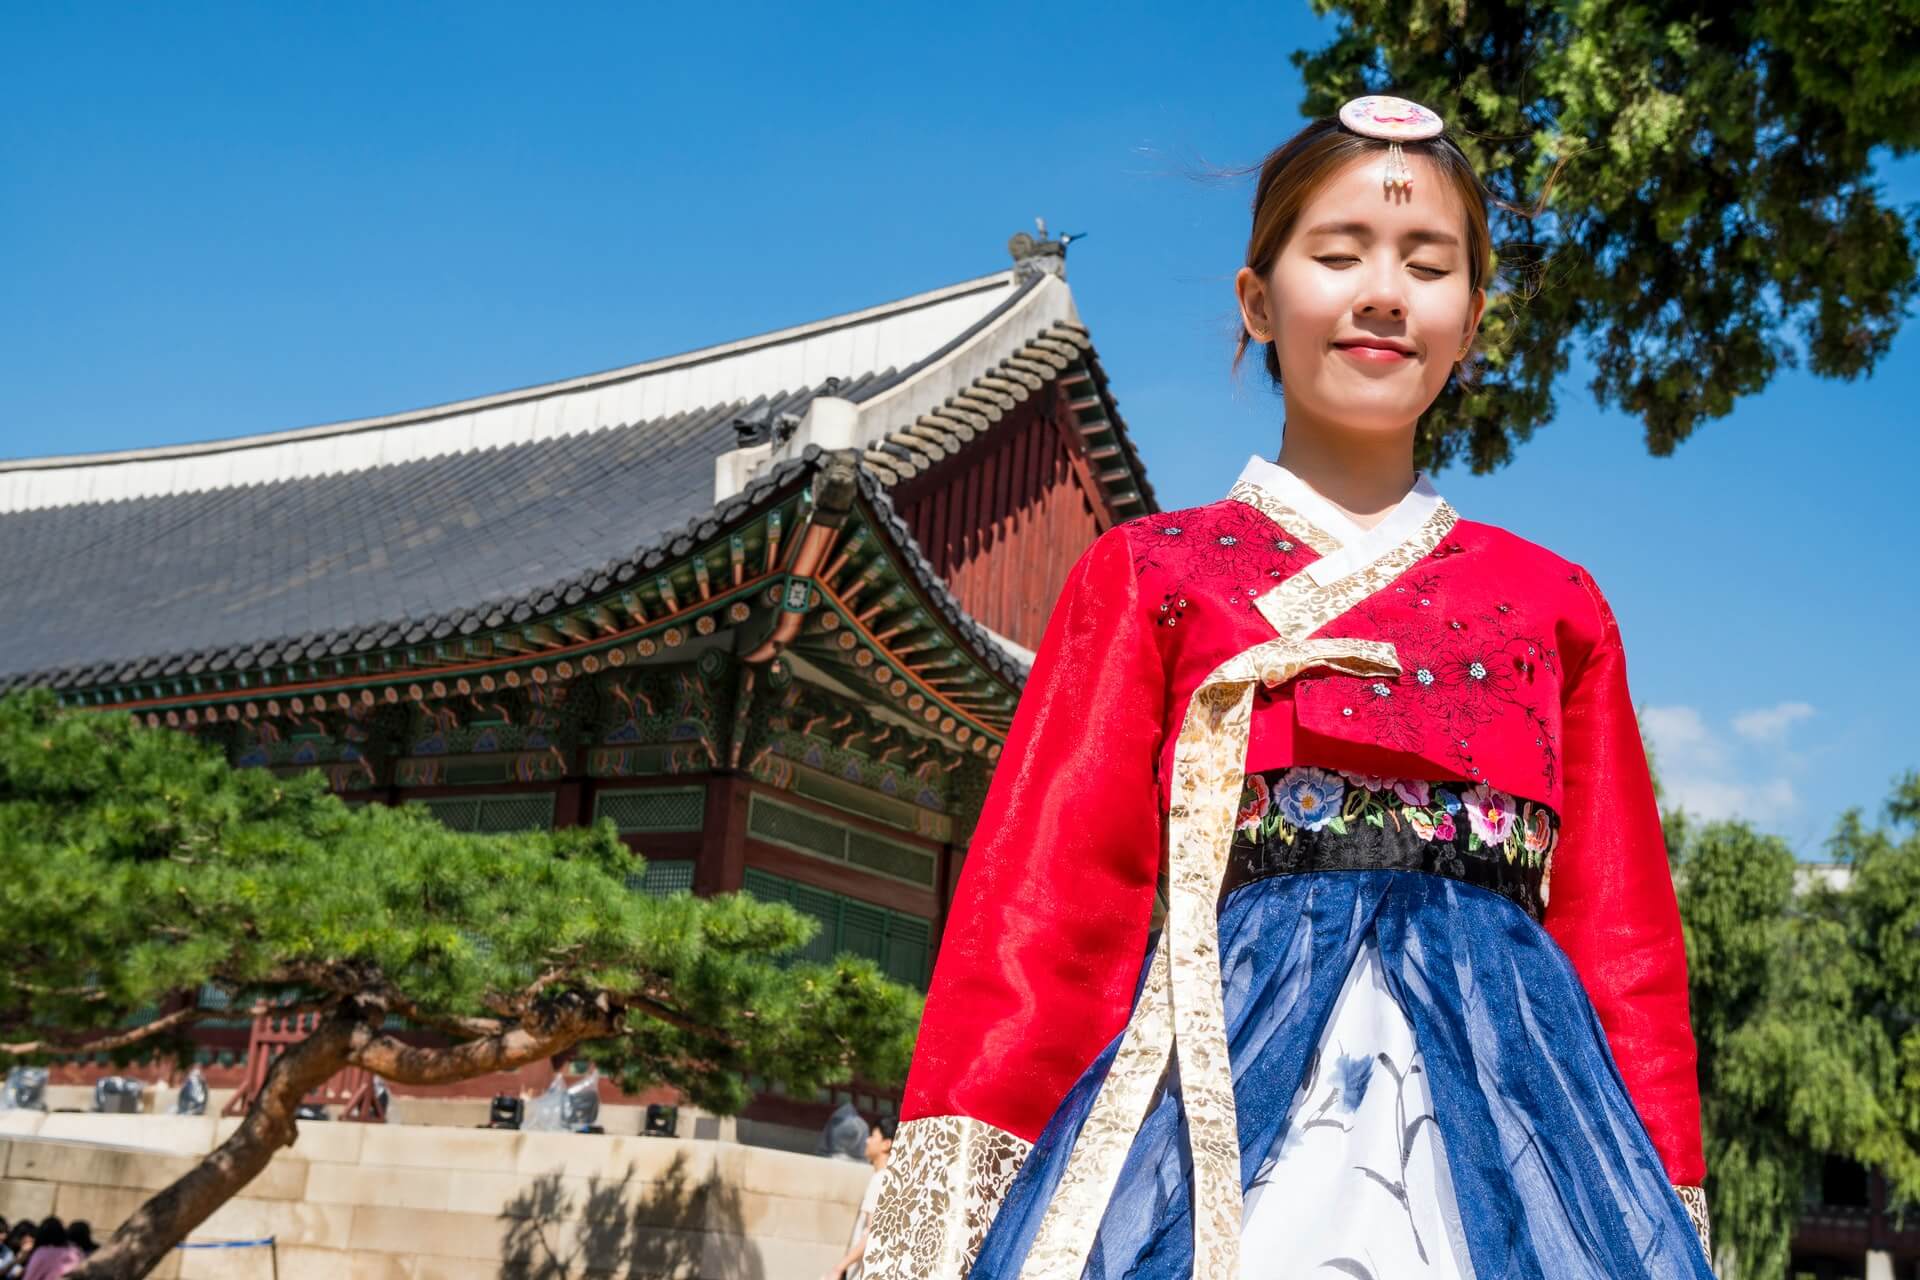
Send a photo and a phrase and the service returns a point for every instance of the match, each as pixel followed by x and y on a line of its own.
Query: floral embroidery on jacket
pixel 1226 545
pixel 1304 798
pixel 1460 671
pixel 1306 819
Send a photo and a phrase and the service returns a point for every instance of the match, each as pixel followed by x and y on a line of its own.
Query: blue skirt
pixel 1554 1173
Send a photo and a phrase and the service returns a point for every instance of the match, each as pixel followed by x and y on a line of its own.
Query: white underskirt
pixel 1357 1184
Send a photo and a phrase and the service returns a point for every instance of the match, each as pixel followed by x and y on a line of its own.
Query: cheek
pixel 1312 306
pixel 1444 317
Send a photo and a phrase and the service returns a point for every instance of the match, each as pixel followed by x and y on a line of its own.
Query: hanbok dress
pixel 1317 923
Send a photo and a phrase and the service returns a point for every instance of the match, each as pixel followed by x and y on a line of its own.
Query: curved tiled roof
pixel 488 513
pixel 113 591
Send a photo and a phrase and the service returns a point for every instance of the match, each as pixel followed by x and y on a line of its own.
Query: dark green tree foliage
pixel 137 867
pixel 1716 218
pixel 1884 932
pixel 1804 1005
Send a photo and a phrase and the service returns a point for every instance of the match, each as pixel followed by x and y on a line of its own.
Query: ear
pixel 1256 312
pixel 1478 309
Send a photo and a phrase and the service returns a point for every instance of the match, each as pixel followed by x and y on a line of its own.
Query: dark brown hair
pixel 1300 166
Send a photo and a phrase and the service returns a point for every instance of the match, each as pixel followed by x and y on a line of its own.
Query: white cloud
pixel 1762 801
pixel 1748 773
pixel 1770 724
pixel 1681 734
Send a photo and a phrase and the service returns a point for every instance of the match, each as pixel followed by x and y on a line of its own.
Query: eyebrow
pixel 1364 231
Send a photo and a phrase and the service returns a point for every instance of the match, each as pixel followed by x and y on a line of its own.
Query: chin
pixel 1365 414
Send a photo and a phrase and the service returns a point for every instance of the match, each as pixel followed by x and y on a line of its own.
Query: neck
pixel 1365 474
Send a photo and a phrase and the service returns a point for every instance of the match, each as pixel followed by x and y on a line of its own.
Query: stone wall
pixel 407 1202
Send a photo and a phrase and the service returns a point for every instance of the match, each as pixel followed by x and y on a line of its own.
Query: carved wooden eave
pixel 876 616
pixel 1060 356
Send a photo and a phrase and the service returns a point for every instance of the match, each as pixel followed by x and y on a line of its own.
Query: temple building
pixel 765 606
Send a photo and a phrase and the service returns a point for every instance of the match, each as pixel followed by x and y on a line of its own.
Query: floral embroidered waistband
pixel 1305 819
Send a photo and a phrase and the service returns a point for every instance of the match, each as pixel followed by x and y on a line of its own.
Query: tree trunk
pixel 144 1240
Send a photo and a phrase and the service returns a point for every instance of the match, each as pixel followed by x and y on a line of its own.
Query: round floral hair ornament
pixel 1393 121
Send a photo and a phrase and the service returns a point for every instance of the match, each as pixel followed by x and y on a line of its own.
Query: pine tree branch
pixel 657 1009
pixel 508 1050
pixel 54 1042
pixel 447 1023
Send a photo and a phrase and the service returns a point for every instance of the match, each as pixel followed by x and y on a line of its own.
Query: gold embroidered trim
pixel 1695 1200
pixel 1072 1218
pixel 938 1195
pixel 1300 606
pixel 1180 1008
pixel 1285 516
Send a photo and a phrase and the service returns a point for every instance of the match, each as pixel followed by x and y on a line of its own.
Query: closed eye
pixel 1337 260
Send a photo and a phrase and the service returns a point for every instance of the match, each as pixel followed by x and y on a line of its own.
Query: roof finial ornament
pixel 1033 257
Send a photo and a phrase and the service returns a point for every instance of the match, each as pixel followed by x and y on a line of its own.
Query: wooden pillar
pixel 722 866
pixel 572 806
pixel 942 894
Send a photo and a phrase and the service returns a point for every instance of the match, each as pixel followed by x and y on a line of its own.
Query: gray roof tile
pixel 334 558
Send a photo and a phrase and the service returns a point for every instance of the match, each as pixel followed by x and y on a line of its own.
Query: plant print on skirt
pixel 1357 1184
pixel 1551 1170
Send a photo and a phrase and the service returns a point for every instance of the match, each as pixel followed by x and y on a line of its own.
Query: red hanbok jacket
pixel 1428 647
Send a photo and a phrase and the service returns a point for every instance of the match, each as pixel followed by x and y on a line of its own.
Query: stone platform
pixel 416 1202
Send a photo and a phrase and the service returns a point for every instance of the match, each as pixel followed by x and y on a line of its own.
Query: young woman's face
pixel 1368 302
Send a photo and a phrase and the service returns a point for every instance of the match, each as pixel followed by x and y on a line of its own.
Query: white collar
pixel 1358 547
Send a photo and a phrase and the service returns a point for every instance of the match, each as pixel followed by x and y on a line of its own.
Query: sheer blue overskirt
pixel 1553 1170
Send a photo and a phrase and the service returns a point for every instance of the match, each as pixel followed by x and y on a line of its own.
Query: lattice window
pixel 890 858
pixel 863 930
pixel 909 949
pixel 796 828
pixel 899 943
pixel 459 813
pixel 663 878
pixel 515 813
pixel 653 808
pixel 494 814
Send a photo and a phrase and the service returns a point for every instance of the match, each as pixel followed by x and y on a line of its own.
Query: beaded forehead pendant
pixel 1393 121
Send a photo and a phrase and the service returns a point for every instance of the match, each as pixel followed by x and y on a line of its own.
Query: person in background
pixel 879 1147
pixel 80 1232
pixel 13 1254
pixel 53 1253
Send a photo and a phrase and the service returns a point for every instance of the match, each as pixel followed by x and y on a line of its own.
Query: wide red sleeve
pixel 1611 903
pixel 1048 927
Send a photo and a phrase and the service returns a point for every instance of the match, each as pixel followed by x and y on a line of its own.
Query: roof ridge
pixel 535 391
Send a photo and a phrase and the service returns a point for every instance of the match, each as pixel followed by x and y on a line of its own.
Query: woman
pixel 54 1254
pixel 1419 1004
pixel 17 1250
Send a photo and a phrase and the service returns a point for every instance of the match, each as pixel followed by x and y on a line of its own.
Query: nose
pixel 1380 296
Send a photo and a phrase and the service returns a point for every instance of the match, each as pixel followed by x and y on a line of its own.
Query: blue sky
pixel 227 219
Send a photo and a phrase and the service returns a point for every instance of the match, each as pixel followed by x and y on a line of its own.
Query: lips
pixel 1376 349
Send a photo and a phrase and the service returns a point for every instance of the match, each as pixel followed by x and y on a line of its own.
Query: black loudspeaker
pixel 506 1112
pixel 662 1121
